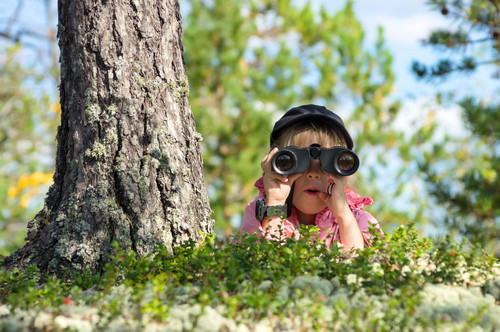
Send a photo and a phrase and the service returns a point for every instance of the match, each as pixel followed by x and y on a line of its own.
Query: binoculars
pixel 337 160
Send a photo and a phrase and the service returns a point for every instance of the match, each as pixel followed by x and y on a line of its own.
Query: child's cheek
pixel 326 180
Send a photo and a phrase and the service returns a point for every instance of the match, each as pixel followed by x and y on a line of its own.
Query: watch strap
pixel 262 210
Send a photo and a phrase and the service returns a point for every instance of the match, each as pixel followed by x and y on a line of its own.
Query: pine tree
pixel 468 188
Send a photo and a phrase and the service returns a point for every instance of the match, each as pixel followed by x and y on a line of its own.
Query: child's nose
pixel 314 170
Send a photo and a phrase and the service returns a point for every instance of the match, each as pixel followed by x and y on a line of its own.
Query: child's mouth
pixel 312 191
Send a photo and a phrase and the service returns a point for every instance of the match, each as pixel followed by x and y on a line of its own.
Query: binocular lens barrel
pixel 337 160
pixel 346 161
pixel 284 162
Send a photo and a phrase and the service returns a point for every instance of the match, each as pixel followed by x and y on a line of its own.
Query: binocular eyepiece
pixel 337 160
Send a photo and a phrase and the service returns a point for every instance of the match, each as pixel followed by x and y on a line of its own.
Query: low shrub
pixel 401 282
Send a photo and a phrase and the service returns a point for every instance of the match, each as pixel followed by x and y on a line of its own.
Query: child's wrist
pixel 344 217
pixel 340 212
pixel 274 202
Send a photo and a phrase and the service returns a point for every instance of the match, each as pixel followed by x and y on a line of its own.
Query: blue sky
pixel 405 23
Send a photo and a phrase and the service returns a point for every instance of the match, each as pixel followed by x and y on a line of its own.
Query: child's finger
pixel 266 161
pixel 294 177
pixel 283 179
pixel 324 197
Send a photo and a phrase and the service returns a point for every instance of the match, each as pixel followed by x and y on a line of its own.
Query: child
pixel 313 197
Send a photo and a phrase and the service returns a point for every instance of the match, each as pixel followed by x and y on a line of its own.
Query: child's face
pixel 311 183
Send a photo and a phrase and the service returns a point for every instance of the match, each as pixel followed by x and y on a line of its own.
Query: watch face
pixel 259 209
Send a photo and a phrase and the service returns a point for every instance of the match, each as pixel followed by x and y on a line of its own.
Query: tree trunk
pixel 128 165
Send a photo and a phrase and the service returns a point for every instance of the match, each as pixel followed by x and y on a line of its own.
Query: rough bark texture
pixel 128 165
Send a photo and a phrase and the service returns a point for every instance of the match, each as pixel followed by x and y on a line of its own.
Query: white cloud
pixel 406 31
pixel 416 112
pixel 405 23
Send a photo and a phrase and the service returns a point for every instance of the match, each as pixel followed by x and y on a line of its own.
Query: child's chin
pixel 308 204
pixel 312 210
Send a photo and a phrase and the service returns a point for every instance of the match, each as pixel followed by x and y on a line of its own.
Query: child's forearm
pixel 350 234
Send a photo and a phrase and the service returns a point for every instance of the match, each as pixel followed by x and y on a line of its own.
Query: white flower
pixel 465 277
pixel 406 269
pixel 72 323
pixel 351 279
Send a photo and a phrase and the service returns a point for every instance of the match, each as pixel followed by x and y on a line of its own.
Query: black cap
pixel 310 112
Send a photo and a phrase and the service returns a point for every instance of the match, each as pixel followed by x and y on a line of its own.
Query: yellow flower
pixel 25 200
pixel 23 182
pixel 28 185
pixel 12 192
pixel 56 108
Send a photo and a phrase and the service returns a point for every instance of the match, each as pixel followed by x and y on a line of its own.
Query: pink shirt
pixel 325 221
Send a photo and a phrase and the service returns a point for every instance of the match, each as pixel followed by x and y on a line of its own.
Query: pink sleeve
pixel 249 224
pixel 365 219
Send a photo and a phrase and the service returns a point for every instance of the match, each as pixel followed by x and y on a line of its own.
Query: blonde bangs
pixel 326 135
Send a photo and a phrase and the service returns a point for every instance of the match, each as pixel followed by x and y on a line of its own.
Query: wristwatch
pixel 262 210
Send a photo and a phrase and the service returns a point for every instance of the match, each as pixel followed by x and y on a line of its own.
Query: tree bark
pixel 128 164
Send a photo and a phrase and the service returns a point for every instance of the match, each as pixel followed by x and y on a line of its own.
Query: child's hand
pixel 277 186
pixel 335 198
pixel 350 234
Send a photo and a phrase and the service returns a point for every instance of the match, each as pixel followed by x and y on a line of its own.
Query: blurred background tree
pixel 29 116
pixel 249 61
pixel 463 175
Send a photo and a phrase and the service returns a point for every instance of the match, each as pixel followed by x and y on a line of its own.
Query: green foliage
pixel 468 185
pixel 469 188
pixel 29 114
pixel 476 22
pixel 249 61
pixel 27 132
pixel 243 283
